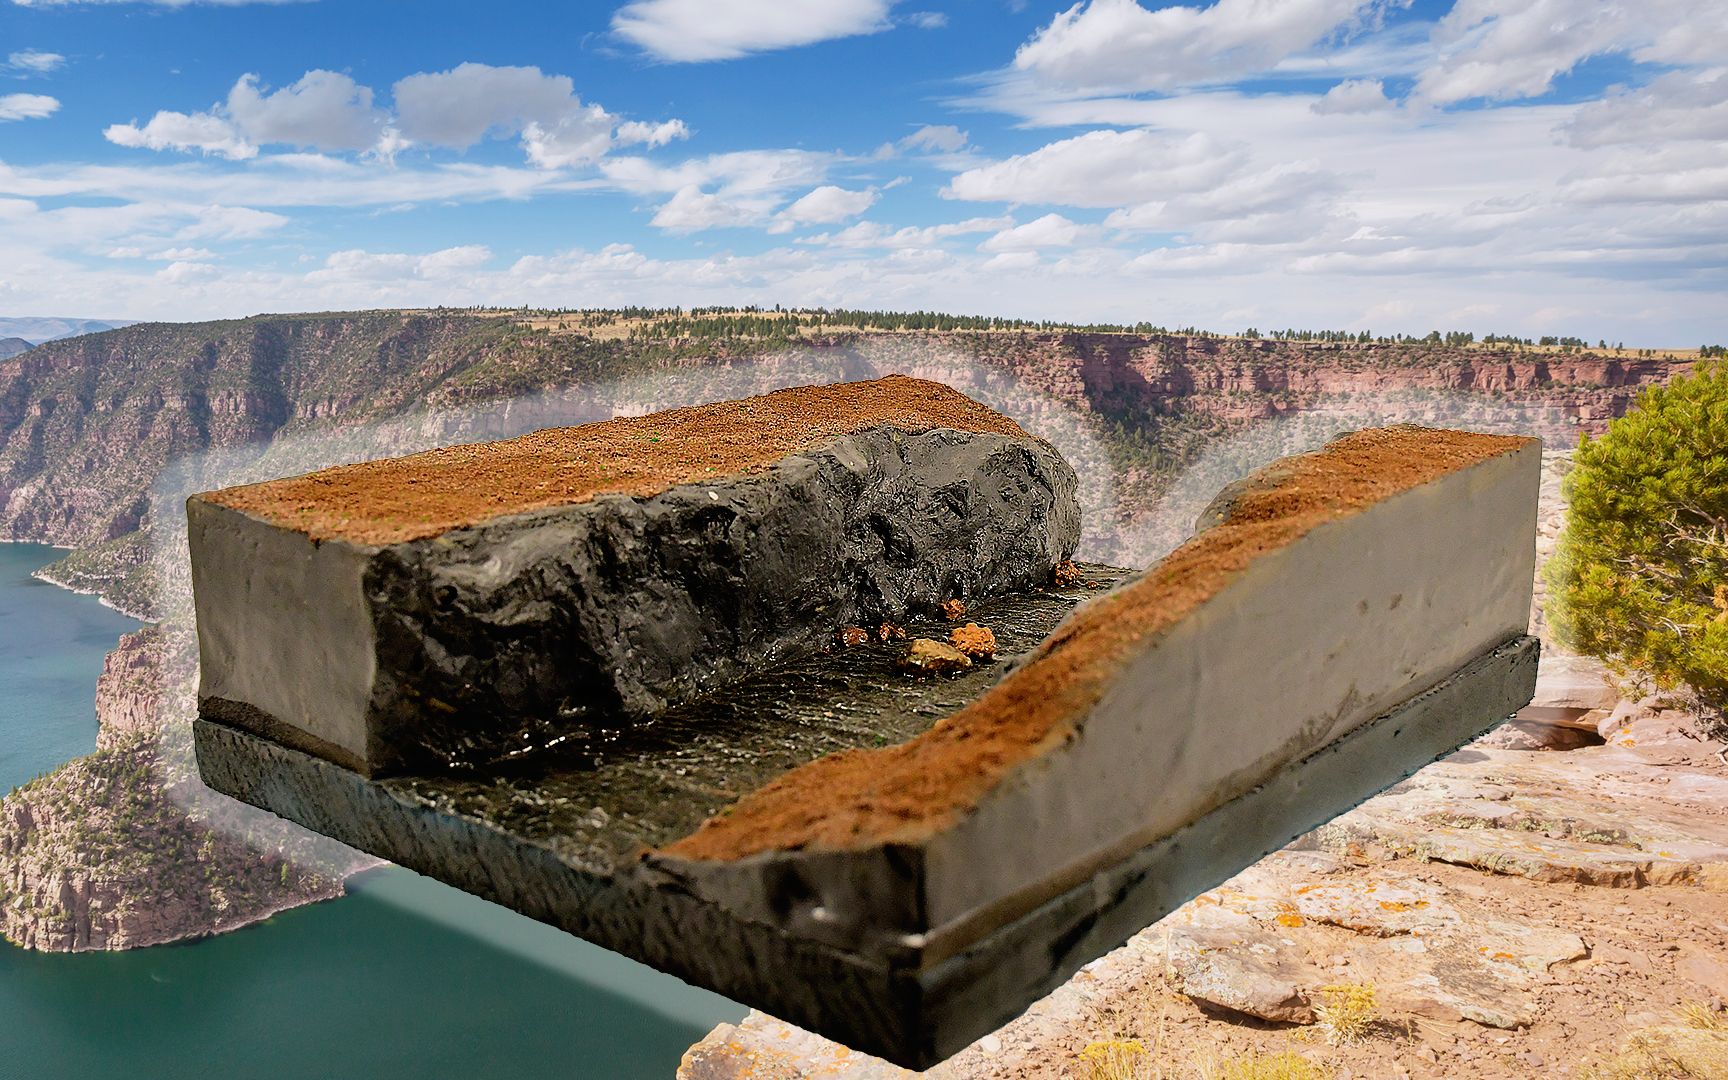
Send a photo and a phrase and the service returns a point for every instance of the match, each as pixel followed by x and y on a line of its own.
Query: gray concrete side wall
pixel 1308 643
pixel 284 637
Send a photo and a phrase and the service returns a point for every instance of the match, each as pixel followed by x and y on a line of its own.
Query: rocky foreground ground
pixel 1552 900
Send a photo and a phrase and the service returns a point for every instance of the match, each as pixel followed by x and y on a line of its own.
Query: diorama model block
pixel 1317 595
pixel 471 604
pixel 896 859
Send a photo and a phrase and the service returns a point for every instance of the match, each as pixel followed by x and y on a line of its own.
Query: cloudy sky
pixel 1520 166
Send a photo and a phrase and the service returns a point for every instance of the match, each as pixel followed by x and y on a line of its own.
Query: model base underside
pixel 556 840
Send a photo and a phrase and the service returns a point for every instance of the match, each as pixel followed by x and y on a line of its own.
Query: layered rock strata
pixel 468 605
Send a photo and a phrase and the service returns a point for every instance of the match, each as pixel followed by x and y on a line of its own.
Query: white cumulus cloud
pixel 34 61
pixel 1049 231
pixel 1680 105
pixel 581 138
pixel 203 132
pixel 1510 49
pixel 826 205
pixel 683 31
pixel 936 139
pixel 637 131
pixel 1102 169
pixel 324 110
pixel 870 234
pixel 1120 45
pixel 355 266
pixel 1354 96
pixel 455 109
pixel 691 210
pixel 27 106
pixel 737 173
pixel 459 107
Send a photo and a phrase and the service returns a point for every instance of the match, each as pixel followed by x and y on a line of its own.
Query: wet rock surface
pixel 603 799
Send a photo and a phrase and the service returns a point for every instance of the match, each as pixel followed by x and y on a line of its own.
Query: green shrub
pixel 1640 576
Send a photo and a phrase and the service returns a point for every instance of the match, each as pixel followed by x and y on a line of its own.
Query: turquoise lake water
pixel 404 978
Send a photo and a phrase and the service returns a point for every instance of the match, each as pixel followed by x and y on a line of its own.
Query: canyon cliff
pixel 124 848
pixel 89 424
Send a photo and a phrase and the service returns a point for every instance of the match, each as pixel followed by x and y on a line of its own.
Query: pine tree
pixel 1640 576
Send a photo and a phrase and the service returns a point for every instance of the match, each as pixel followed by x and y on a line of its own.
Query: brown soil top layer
pixel 860 798
pixel 410 498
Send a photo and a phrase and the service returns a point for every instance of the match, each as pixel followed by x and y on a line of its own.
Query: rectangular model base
pixel 914 1007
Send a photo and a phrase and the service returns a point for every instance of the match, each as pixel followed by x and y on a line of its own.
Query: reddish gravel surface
pixel 400 499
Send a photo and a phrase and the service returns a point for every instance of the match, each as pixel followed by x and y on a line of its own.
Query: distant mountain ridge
pixel 34 330
pixel 12 346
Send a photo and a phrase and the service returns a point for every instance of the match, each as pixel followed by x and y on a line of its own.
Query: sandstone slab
pixel 1601 815
pixel 1227 969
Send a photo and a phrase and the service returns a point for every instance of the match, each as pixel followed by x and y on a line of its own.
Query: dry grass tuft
pixel 1284 1065
pixel 1696 1048
pixel 1348 1013
pixel 1701 1017
pixel 1112 1059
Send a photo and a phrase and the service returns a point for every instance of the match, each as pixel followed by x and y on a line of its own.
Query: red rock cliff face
pixel 140 686
pixel 87 424
pixel 120 850
pixel 1236 379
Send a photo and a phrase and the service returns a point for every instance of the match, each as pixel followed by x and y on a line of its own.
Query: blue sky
pixel 1524 166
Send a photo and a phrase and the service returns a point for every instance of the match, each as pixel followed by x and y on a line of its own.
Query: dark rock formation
pixel 624 606
pixel 489 640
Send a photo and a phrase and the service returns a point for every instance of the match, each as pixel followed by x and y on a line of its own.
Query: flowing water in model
pixel 405 978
